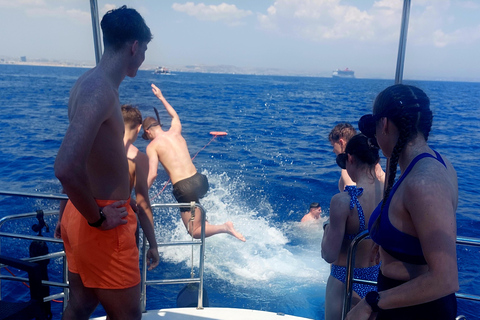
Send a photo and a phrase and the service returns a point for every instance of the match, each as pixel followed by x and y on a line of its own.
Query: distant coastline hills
pixel 225 69
pixel 228 69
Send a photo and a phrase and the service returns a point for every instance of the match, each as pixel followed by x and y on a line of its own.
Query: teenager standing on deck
pixel 98 224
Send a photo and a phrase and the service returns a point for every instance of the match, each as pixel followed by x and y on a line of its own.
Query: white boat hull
pixel 213 314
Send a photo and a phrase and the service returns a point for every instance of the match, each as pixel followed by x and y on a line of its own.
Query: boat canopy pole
pixel 403 42
pixel 96 30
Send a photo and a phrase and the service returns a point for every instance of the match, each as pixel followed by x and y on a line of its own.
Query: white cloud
pixel 20 3
pixel 323 20
pixel 76 15
pixel 107 7
pixel 459 36
pixel 317 19
pixel 228 13
pixel 469 4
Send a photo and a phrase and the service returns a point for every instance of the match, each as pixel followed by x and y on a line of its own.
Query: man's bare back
pixel 173 154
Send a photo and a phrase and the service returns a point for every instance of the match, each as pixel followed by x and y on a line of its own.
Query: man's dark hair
pixel 122 25
pixel 131 116
pixel 314 205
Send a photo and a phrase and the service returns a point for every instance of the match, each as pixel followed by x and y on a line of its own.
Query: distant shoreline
pixel 46 64
pixel 211 69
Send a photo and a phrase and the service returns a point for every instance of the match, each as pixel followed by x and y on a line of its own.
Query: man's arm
pixel 152 164
pixel 176 124
pixel 145 212
pixel 71 162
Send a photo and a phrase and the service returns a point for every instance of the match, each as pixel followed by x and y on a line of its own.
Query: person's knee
pixel 121 304
pixel 78 311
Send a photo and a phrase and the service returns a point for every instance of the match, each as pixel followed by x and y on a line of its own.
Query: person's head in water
pixel 123 25
pixel 315 209
pixel 360 152
pixel 340 135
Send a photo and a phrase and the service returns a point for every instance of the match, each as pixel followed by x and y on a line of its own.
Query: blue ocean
pixel 275 161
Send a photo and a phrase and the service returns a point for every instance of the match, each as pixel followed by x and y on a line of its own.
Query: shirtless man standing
pixel 138 171
pixel 338 138
pixel 98 224
pixel 170 148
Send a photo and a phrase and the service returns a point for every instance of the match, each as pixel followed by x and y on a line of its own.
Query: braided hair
pixel 408 107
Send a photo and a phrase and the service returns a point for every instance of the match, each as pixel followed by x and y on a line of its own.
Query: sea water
pixel 275 161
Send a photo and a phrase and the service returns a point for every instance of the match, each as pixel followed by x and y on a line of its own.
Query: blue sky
pixel 305 36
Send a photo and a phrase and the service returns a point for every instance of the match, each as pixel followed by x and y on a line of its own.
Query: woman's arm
pixel 334 231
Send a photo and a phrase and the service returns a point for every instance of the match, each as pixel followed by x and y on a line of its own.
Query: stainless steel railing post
pixel 143 297
pixel 347 302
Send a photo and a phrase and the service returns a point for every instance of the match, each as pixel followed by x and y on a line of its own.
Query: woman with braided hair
pixel 415 224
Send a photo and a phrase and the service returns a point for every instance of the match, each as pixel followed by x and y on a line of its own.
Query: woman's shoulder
pixel 435 169
pixel 432 180
pixel 340 202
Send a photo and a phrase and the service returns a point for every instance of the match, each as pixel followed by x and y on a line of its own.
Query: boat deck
pixel 213 314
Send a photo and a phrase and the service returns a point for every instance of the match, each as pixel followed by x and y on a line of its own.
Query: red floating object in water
pixel 218 133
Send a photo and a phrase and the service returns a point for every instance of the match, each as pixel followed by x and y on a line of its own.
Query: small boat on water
pixel 161 70
pixel 345 73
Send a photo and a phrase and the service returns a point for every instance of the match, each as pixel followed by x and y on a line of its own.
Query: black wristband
pixel 372 298
pixel 99 222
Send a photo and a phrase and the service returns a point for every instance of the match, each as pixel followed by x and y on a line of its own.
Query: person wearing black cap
pixel 415 223
pixel 170 149
pixel 313 214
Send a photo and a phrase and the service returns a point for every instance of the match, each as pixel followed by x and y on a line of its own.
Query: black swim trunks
pixel 190 189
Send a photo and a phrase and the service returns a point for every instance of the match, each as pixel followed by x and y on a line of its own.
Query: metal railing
pixel 347 301
pixel 200 242
pixel 53 255
pixel 144 282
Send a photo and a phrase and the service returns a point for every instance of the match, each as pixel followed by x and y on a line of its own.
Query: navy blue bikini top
pixel 399 245
pixel 354 192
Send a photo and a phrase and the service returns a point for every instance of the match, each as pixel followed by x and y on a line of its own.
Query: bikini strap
pixel 418 158
pixel 354 192
pixel 440 159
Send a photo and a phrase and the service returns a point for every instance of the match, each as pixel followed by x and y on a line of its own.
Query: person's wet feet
pixel 231 230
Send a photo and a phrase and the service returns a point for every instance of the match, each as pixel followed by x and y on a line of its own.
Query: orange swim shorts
pixel 103 259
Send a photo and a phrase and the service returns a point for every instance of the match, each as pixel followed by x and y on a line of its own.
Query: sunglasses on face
pixel 152 125
pixel 342 160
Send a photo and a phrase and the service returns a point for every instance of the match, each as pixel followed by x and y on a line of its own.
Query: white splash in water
pixel 276 253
